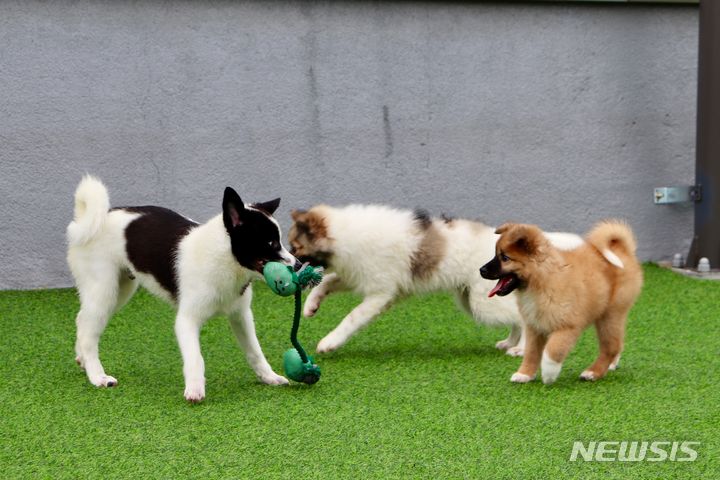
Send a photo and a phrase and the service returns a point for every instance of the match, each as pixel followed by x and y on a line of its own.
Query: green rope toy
pixel 284 281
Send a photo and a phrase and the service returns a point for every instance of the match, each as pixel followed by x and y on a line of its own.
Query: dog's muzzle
pixel 507 282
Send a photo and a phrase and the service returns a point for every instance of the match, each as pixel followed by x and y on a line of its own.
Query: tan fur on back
pixel 429 253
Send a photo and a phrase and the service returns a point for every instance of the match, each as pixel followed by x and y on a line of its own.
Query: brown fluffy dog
pixel 561 293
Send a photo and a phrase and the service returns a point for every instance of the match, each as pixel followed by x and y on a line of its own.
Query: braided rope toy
pixel 284 281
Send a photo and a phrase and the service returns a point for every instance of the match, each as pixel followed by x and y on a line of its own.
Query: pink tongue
pixel 501 283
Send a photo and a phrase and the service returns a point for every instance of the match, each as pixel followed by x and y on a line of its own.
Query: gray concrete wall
pixel 557 114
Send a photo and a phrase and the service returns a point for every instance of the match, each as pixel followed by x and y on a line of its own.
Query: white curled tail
pixel 92 204
pixel 615 241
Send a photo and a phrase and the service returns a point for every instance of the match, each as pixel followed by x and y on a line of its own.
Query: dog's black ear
pixel 270 206
pixel 233 209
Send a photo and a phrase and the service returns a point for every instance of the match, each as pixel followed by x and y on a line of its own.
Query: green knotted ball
pixel 284 281
pixel 305 372
pixel 280 278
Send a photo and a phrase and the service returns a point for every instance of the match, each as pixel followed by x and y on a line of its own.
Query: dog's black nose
pixel 483 270
pixel 297 265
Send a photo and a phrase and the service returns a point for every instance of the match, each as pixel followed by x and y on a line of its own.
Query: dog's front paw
pixel 311 307
pixel 195 393
pixel 273 378
pixel 518 377
pixel 549 369
pixel 503 344
pixel 104 381
pixel 515 351
pixel 328 344
pixel 589 375
pixel 550 377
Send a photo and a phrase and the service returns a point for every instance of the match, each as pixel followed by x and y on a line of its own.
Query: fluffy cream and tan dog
pixel 561 293
pixel 384 253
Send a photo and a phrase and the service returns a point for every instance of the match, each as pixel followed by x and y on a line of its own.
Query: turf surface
pixel 422 393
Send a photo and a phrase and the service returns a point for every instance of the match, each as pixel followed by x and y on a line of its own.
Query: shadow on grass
pixel 413 353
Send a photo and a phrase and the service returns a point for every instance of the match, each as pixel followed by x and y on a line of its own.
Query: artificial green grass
pixel 421 393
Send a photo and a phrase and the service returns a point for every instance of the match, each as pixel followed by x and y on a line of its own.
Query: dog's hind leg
pixel 330 283
pixel 359 317
pixel 127 286
pixel 98 300
pixel 611 336
pixel 243 325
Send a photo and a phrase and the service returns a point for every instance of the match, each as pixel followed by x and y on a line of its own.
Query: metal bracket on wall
pixel 666 195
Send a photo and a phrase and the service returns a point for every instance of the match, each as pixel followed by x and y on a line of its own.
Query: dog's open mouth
pixel 506 284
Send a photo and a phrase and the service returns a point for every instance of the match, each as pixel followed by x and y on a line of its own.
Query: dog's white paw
pixel 195 393
pixel 549 378
pixel 518 377
pixel 104 381
pixel 615 364
pixel 503 344
pixel 311 307
pixel 273 378
pixel 515 351
pixel 549 369
pixel 588 375
pixel 328 344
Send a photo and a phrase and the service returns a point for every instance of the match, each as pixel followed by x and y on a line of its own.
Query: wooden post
pixel 706 240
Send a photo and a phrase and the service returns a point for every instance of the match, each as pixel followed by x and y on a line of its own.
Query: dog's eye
pixel 273 244
pixel 504 258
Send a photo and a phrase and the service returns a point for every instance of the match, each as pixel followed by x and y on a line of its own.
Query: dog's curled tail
pixel 92 204
pixel 615 241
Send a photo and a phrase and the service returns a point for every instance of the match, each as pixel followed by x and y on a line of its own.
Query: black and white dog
pixel 201 269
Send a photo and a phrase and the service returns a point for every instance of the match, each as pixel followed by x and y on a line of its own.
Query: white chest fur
pixel 542 313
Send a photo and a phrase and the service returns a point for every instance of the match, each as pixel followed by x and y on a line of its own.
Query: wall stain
pixel 310 44
pixel 312 80
pixel 389 144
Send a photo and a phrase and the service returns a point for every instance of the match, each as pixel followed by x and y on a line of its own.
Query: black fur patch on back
pixel 447 218
pixel 152 241
pixel 422 218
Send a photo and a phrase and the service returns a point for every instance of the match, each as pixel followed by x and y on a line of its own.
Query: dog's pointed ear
pixel 523 244
pixel 503 228
pixel 270 206
pixel 526 238
pixel 297 215
pixel 233 209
